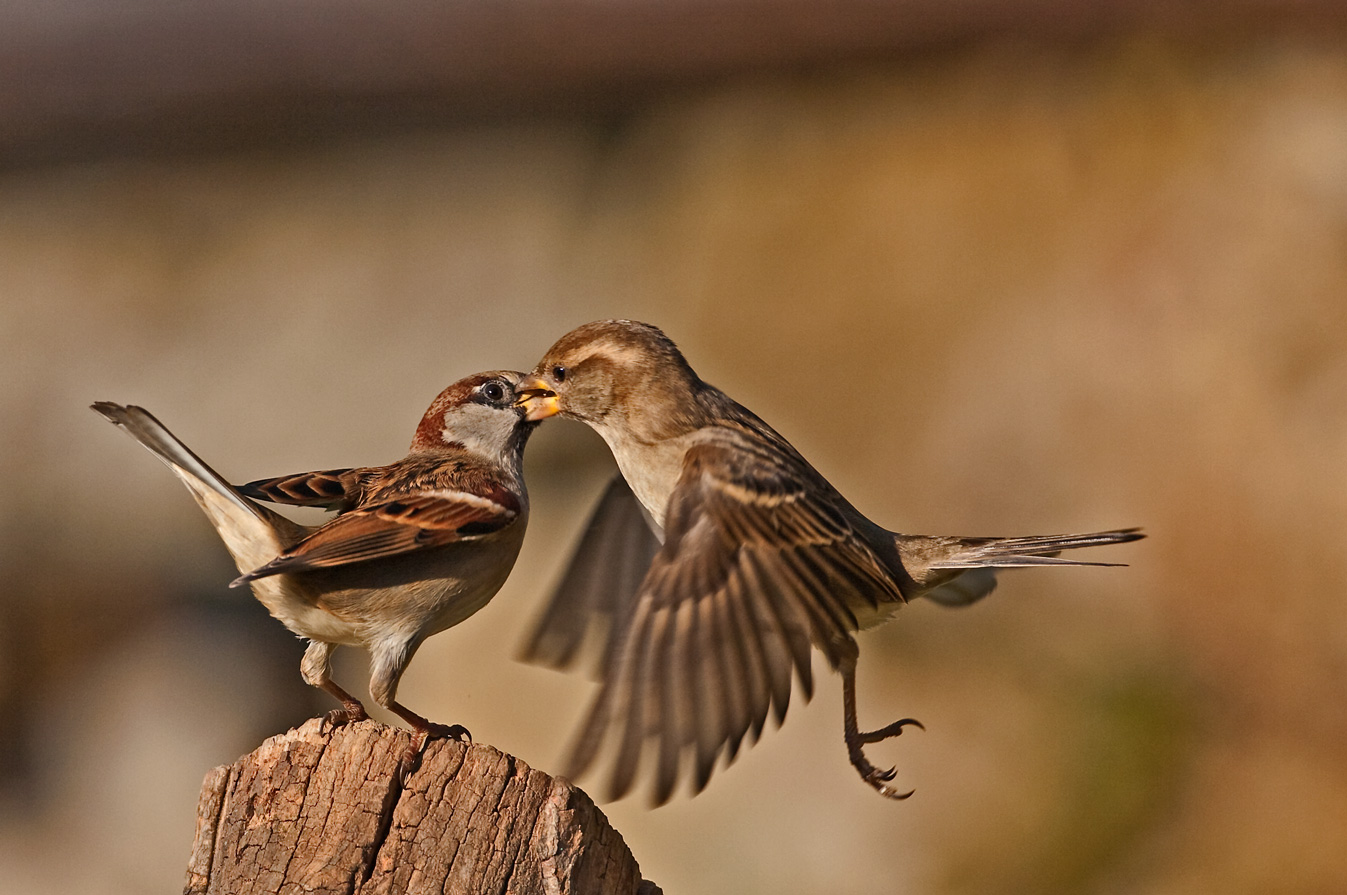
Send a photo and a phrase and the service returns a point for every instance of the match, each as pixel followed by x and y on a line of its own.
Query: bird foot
pixel 411 759
pixel 892 730
pixel 457 732
pixel 871 774
pixel 347 714
pixel 879 779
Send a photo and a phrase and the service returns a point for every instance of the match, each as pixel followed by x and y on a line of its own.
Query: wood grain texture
pixel 318 811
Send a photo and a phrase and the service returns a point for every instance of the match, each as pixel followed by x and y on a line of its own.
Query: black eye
pixel 493 392
pixel 559 374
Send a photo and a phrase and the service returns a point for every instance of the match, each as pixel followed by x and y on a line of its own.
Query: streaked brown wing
pixel 414 522
pixel 599 587
pixel 758 564
pixel 334 488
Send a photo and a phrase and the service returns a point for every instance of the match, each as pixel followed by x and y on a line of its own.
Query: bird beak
pixel 539 400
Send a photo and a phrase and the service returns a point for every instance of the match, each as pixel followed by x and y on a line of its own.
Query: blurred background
pixel 1005 267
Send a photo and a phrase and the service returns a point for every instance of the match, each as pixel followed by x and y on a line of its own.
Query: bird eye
pixel 559 373
pixel 493 392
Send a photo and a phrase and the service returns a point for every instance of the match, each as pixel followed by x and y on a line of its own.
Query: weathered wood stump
pixel 319 811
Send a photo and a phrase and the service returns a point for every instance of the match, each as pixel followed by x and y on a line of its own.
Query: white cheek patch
pixel 479 428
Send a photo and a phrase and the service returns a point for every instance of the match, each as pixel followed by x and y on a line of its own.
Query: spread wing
pixel 599 587
pixel 400 525
pixel 759 563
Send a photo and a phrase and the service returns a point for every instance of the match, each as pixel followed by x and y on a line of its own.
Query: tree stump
pixel 319 811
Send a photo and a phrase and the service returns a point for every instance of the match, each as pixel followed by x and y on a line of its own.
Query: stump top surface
pixel 320 810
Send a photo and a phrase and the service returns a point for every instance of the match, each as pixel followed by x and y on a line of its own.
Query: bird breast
pixel 652 469
pixel 410 596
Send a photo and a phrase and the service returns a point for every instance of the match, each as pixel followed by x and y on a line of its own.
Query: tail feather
pixel 961 571
pixel 154 436
pixel 253 534
pixel 1013 561
pixel 1042 550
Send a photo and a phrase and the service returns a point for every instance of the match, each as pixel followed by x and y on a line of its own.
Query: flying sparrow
pixel 415 548
pixel 754 557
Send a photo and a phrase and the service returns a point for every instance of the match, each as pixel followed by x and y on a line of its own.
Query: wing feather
pixel 666 723
pixel 735 689
pixel 629 686
pixel 757 568
pixel 401 525
pixel 757 659
pixel 331 488
pixel 598 589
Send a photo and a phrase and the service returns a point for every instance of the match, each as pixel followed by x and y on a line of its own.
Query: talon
pixel 892 730
pixel 448 732
pixel 896 796
pixel 349 714
pixel 871 774
pixel 423 734
pixel 877 779
pixel 410 761
pixel 430 729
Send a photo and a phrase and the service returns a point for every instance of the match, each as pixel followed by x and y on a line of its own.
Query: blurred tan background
pixel 1011 267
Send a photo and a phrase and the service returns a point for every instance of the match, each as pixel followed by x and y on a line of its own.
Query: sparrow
pixel 717 560
pixel 415 547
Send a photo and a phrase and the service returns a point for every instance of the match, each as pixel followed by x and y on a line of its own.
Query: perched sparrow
pixel 758 557
pixel 416 547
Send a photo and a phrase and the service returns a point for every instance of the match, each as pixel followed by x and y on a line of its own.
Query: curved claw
pixel 424 733
pixel 871 774
pixel 410 761
pixel 457 732
pixel 891 730
pixel 893 794
pixel 877 778
pixel 348 714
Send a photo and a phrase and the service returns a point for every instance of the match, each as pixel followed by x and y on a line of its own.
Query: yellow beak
pixel 539 399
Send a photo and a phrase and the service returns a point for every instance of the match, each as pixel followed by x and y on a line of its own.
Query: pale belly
pixel 409 597
pixel 651 472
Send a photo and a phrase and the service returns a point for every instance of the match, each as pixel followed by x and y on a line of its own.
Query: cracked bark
pixel 313 811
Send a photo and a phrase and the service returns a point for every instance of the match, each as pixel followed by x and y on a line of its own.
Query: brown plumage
pixel 755 560
pixel 416 546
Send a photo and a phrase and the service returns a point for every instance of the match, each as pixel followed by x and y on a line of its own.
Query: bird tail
pixel 1038 550
pixel 252 533
pixel 960 571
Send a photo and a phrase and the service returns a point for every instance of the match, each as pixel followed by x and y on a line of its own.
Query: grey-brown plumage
pixel 416 546
pixel 760 560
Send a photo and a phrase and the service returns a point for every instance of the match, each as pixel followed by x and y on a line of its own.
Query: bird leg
pixel 386 669
pixel 430 729
pixel 315 669
pixel 351 711
pixel 856 738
